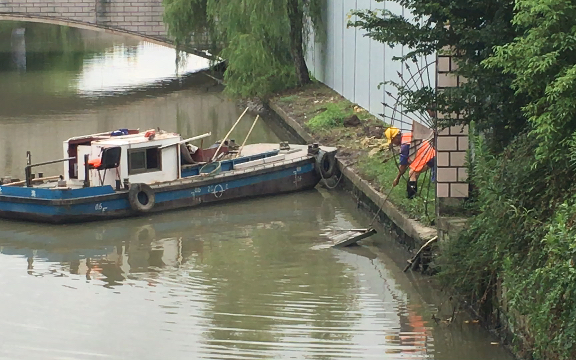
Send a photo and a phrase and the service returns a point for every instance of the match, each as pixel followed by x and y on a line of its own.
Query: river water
pixel 245 280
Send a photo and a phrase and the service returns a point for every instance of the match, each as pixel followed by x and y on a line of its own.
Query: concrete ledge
pixel 411 228
pixel 293 124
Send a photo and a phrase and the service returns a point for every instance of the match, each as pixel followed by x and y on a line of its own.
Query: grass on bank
pixel 332 117
pixel 422 207
pixel 326 115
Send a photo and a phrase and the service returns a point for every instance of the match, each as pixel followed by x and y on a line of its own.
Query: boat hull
pixel 100 204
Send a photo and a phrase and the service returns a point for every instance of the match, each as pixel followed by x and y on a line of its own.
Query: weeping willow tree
pixel 262 41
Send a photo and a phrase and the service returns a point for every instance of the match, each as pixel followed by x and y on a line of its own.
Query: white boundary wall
pixel 354 65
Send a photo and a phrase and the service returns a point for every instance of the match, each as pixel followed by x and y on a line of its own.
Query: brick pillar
pixel 452 144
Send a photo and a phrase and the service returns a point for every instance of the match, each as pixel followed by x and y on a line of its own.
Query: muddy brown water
pixel 244 280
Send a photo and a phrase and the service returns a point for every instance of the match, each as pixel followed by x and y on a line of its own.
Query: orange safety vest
pixel 424 154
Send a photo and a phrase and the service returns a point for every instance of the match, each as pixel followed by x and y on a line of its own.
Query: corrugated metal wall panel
pixel 349 54
pixel 362 66
pixel 329 46
pixel 320 62
pixel 377 60
pixel 337 39
pixel 392 69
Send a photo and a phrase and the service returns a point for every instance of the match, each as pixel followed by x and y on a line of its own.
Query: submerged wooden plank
pixel 341 237
pixel 350 237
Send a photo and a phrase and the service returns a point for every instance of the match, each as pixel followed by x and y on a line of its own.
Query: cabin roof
pixel 135 139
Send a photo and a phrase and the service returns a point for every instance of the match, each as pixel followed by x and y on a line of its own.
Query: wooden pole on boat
pixel 186 140
pixel 86 172
pixel 23 182
pixel 28 169
pixel 229 132
pixel 249 132
pixel 197 137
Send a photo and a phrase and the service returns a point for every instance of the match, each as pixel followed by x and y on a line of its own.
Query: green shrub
pixel 522 240
pixel 332 117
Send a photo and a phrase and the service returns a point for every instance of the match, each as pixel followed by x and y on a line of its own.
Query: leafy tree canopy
pixel 263 42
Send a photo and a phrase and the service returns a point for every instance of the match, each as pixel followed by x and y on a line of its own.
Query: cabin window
pixel 144 160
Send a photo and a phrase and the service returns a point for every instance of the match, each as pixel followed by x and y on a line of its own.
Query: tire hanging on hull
pixel 325 164
pixel 141 197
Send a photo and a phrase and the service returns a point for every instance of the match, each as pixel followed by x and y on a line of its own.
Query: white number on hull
pixel 217 190
pixel 100 207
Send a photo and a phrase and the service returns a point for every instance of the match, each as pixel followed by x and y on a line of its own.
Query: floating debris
pixel 347 237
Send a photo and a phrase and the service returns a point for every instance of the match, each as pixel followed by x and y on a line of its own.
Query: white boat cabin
pixel 126 156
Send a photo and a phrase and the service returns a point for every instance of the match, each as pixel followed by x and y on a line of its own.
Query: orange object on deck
pixel 95 162
pixel 150 133
pixel 424 154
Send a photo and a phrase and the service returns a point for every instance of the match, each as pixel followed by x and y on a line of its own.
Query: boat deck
pixel 275 157
pixel 294 152
pixel 235 164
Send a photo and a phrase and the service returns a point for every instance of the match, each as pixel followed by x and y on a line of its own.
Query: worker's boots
pixel 412 189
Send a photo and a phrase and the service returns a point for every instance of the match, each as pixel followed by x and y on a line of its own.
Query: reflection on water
pixel 122 67
pixel 80 82
pixel 88 62
pixel 18 45
pixel 222 282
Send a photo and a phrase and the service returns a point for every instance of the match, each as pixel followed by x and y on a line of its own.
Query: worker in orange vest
pixel 424 159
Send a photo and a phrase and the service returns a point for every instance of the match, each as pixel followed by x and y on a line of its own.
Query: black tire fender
pixel 141 197
pixel 326 164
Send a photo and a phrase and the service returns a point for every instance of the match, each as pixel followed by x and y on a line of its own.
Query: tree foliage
pixel 542 61
pixel 471 29
pixel 523 240
pixel 263 42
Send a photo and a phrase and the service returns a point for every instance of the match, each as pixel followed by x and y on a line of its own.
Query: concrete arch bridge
pixel 141 19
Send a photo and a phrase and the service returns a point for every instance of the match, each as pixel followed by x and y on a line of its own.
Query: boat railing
pixel 260 166
pixel 106 133
pixel 272 164
pixel 29 166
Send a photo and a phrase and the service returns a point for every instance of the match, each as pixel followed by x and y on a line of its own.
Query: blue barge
pixel 135 173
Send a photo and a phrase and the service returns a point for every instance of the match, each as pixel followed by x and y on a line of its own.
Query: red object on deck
pixel 95 162
pixel 150 133
pixel 205 155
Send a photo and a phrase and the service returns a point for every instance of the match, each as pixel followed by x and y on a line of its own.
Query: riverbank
pixel 316 113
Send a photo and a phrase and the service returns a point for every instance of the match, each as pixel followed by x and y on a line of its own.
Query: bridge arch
pixel 87 26
pixel 143 21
